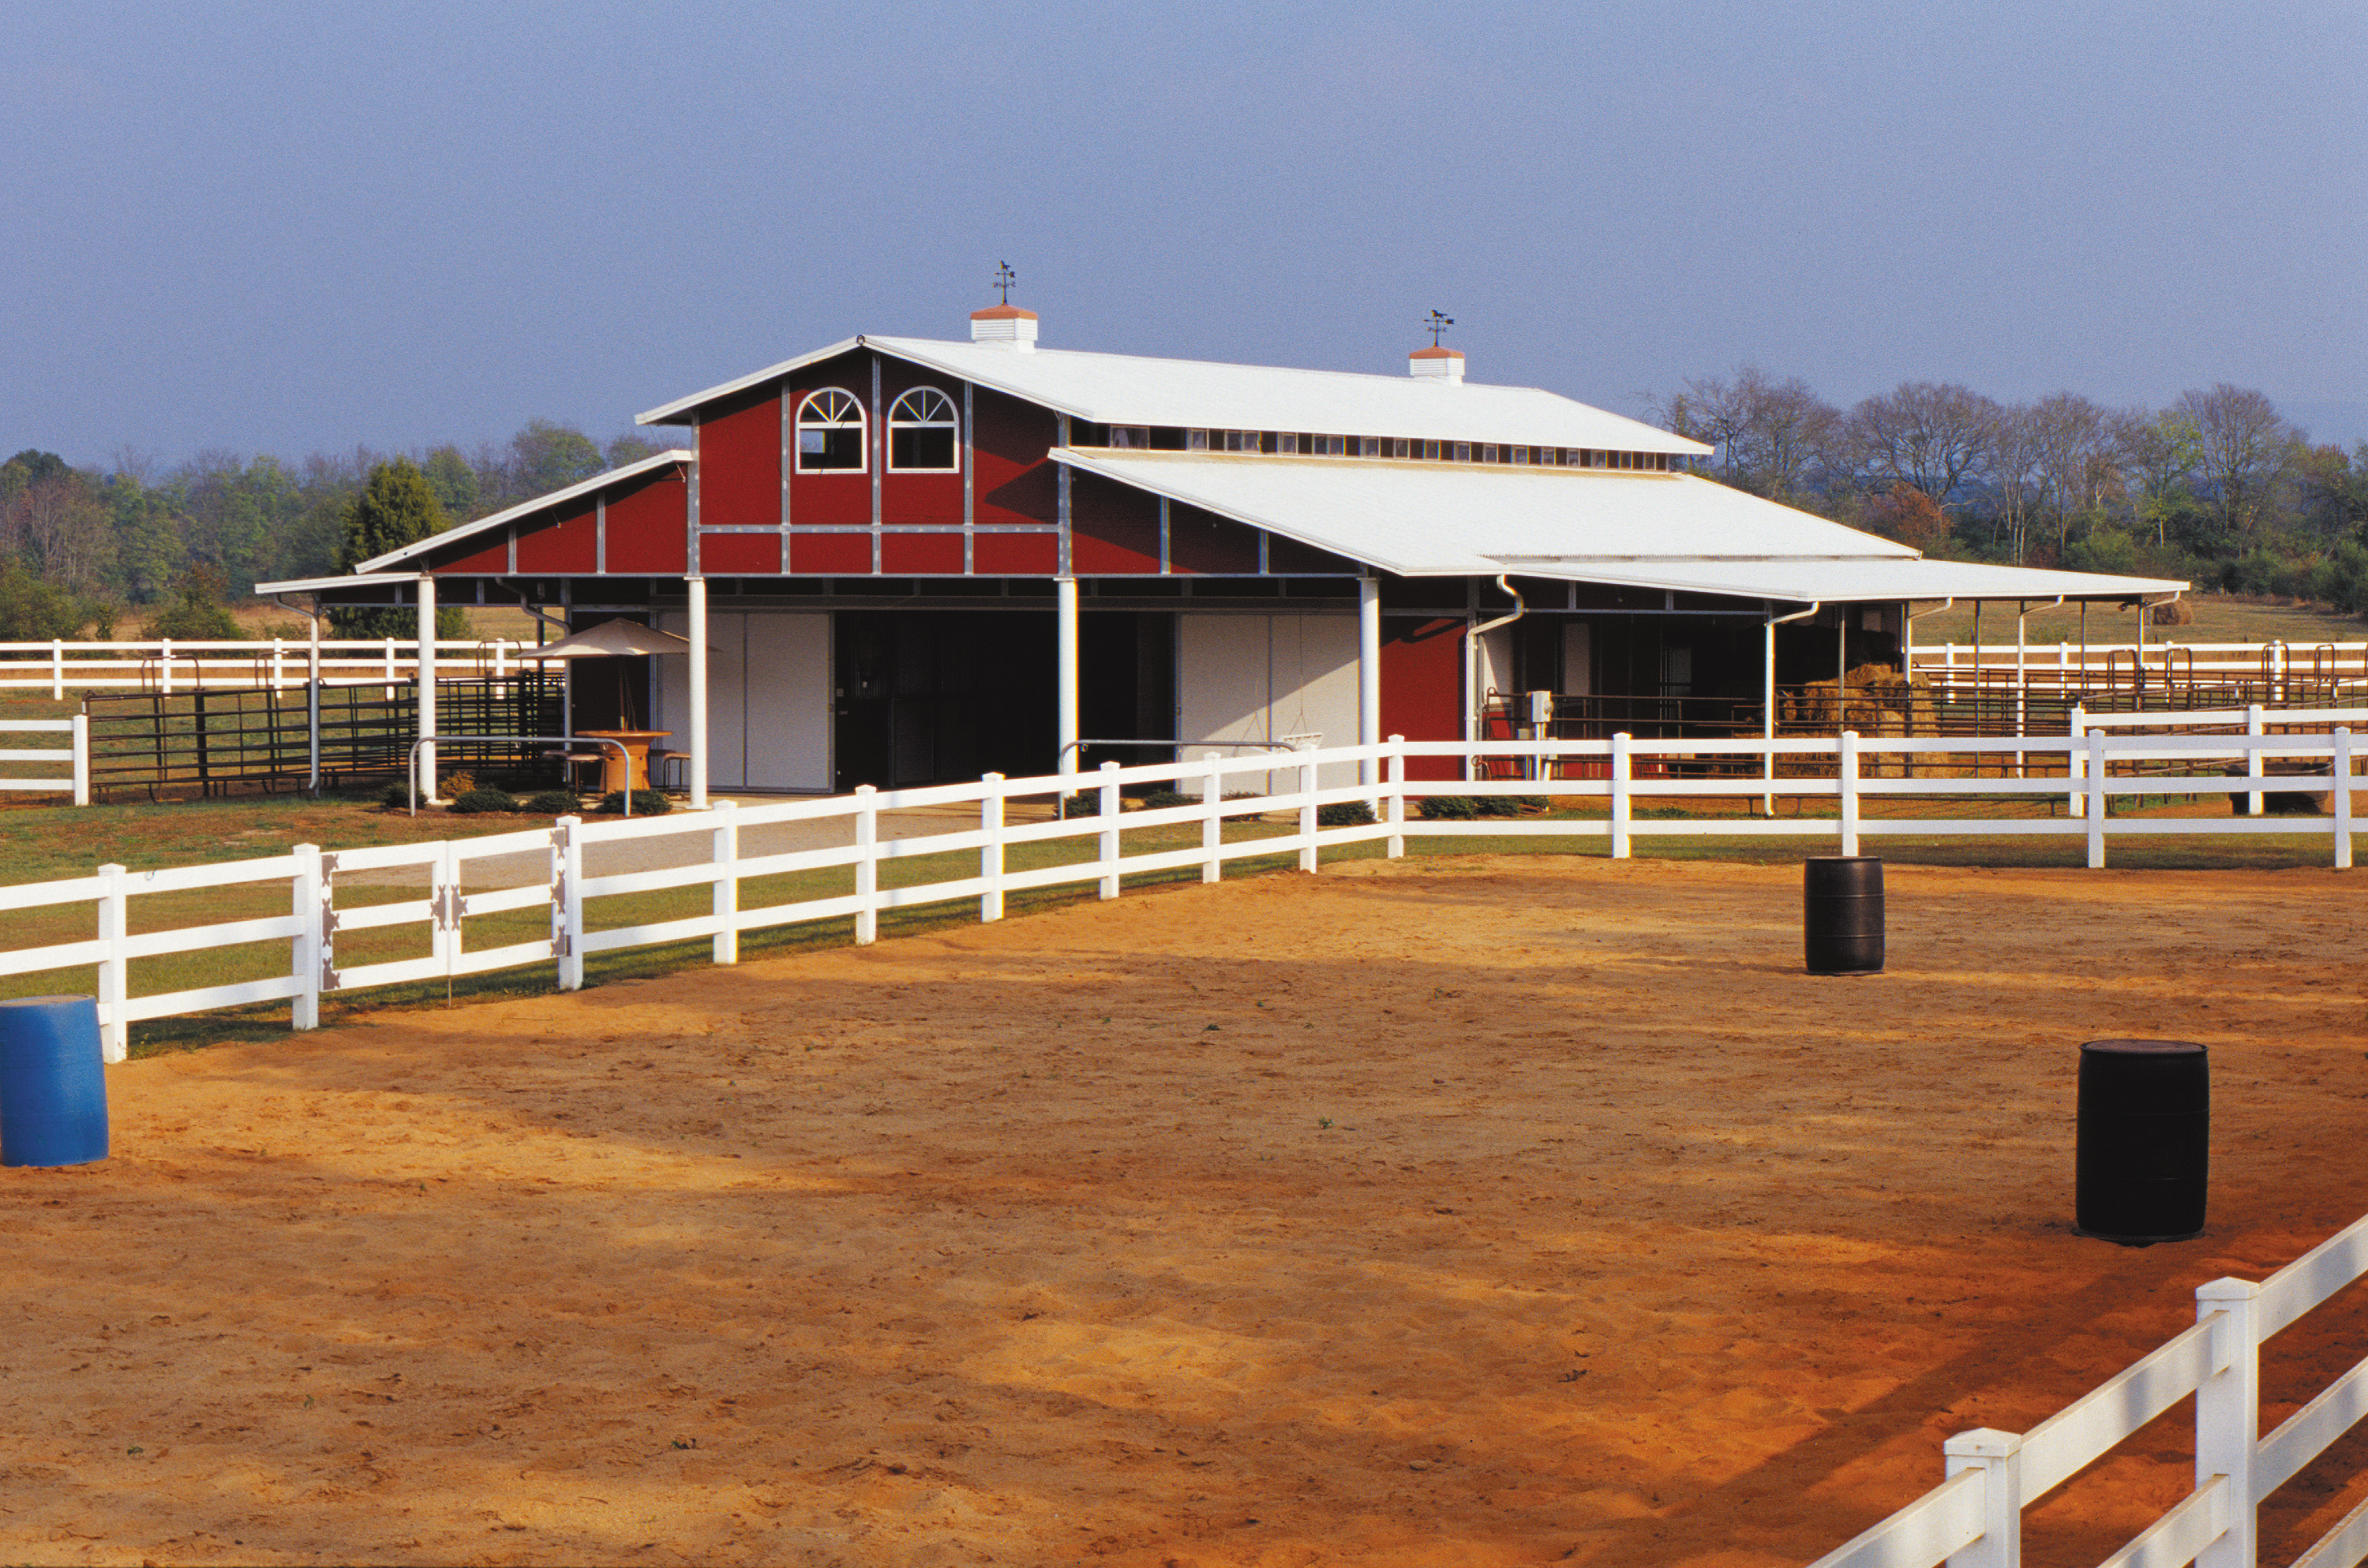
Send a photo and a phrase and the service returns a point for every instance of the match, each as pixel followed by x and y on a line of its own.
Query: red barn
pixel 901 560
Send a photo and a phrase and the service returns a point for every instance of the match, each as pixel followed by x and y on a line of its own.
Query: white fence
pixel 2078 666
pixel 169 665
pixel 1864 772
pixel 74 758
pixel 1973 1518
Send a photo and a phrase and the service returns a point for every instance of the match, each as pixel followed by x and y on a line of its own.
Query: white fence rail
pixel 167 664
pixel 2060 663
pixel 1864 771
pixel 74 758
pixel 1973 1518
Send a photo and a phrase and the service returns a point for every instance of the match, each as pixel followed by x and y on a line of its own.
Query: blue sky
pixel 284 228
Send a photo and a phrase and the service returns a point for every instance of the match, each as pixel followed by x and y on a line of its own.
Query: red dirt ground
pixel 1471 1212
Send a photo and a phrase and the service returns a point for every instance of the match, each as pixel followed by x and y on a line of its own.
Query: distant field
pixel 2219 618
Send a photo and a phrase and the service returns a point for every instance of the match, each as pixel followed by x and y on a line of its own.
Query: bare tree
pixel 1930 434
pixel 1766 431
pixel 2244 448
pixel 2077 454
pixel 2015 471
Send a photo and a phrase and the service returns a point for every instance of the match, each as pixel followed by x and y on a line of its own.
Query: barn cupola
pixel 1005 324
pixel 1437 362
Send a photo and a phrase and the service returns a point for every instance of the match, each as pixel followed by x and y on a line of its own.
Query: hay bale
pixel 2178 612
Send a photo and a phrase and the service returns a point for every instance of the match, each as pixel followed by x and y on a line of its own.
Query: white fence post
pixel 2074 761
pixel 165 663
pixel 82 759
pixel 58 671
pixel 2099 771
pixel 1212 819
pixel 114 976
pixel 444 897
pixel 1108 848
pixel 725 850
pixel 1398 798
pixel 567 900
pixel 866 865
pixel 2228 1414
pixel 2340 767
pixel 1307 816
pixel 2252 756
pixel 279 667
pixel 305 947
pixel 1998 1456
pixel 1846 770
pixel 1620 796
pixel 390 667
pixel 990 854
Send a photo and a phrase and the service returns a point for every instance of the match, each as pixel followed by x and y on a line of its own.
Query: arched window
pixel 922 431
pixel 830 432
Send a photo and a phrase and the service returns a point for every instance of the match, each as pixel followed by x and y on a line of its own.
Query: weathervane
pixel 1437 323
pixel 1003 279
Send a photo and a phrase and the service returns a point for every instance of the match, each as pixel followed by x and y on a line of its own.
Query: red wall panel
pixel 494 557
pixel 566 541
pixel 904 555
pixel 916 497
pixel 1014 480
pixel 1112 526
pixel 841 496
pixel 754 555
pixel 646 527
pixel 1199 542
pixel 1422 686
pixel 740 461
pixel 830 554
pixel 1016 555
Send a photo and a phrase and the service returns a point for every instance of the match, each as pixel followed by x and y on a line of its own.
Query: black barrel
pixel 1841 913
pixel 2145 1140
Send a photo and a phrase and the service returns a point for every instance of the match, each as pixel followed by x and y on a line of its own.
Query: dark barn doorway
pixel 930 697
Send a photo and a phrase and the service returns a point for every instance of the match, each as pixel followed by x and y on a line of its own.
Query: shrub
pixel 1507 805
pixel 475 802
pixel 646 802
pixel 1167 800
pixel 1344 813
pixel 397 797
pixel 1449 808
pixel 1081 806
pixel 554 802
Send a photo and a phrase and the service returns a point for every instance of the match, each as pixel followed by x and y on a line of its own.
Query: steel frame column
pixel 426 673
pixel 698 737
pixel 1065 598
pixel 1369 676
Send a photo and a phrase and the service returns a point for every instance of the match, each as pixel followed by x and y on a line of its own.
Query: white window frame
pixel 917 397
pixel 812 402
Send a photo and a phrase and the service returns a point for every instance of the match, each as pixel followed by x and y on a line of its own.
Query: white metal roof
pixel 539 503
pixel 1126 389
pixel 1663 530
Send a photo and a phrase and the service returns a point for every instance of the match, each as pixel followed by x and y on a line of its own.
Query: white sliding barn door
pixel 767 699
pixel 1257 677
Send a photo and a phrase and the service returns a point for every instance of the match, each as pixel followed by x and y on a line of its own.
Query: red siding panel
pixel 916 556
pixel 843 496
pixel 564 541
pixel 1014 480
pixel 1199 542
pixel 830 555
pixel 1113 527
pixel 1016 555
pixel 753 555
pixel 740 463
pixel 493 558
pixel 916 497
pixel 646 528
pixel 1422 686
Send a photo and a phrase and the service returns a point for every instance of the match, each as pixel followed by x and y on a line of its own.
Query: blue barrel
pixel 52 1082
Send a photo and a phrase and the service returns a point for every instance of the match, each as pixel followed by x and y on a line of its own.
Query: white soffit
pixel 1125 389
pixel 1853 582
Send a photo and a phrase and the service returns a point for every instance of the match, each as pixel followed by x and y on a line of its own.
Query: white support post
pixel 1212 818
pixel 313 706
pixel 57 669
pixel 1396 850
pixel 2228 1414
pixel 2339 766
pixel 567 900
pixel 2097 775
pixel 114 968
pixel 426 674
pixel 2076 760
pixel 1307 858
pixel 698 737
pixel 866 865
pixel 82 759
pixel 1620 796
pixel 2253 731
pixel 1065 599
pixel 1998 1456
pixel 990 853
pixel 1846 770
pixel 305 947
pixel 1369 682
pixel 725 852
pixel 1109 846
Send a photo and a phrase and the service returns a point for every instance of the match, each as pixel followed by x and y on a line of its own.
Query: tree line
pixel 2217 488
pixel 84 551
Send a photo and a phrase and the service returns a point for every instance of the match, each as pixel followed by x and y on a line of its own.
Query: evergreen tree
pixel 397 506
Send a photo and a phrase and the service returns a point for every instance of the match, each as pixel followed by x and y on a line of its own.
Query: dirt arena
pixel 1462 1212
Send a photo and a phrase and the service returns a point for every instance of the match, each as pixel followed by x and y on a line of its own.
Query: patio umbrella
pixel 613 639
